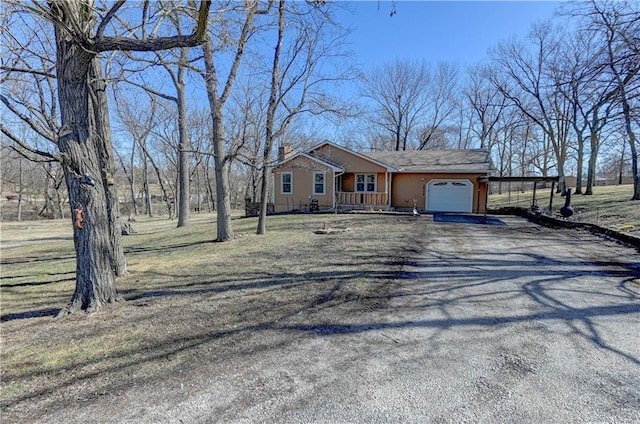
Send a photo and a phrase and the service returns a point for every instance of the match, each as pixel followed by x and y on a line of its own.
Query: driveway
pixel 484 324
pixel 476 323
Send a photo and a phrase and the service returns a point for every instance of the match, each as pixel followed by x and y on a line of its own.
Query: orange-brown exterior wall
pixel 407 187
pixel 302 169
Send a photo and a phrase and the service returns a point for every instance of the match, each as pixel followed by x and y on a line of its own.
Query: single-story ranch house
pixel 329 176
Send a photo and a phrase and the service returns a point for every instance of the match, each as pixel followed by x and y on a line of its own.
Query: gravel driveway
pixel 488 324
pixel 485 324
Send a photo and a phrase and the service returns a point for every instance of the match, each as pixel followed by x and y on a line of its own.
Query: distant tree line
pixel 559 101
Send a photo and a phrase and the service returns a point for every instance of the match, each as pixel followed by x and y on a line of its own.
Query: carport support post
pixel 533 202
pixel 553 186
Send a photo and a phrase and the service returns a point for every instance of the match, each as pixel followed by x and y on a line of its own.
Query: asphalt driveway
pixel 491 324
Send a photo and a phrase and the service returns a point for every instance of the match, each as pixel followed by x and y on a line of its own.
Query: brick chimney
pixel 284 151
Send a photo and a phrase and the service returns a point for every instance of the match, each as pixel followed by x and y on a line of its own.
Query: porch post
pixel 389 178
pixel 334 189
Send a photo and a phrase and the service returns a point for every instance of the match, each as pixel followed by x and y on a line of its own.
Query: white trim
pixel 324 183
pixel 282 183
pixel 366 174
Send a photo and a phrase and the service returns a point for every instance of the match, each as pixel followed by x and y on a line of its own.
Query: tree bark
pixel 84 139
pixel 184 189
pixel 591 168
pixel 95 277
pixel 221 164
pixel 107 171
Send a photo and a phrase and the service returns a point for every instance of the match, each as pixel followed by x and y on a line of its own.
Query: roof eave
pixel 443 171
pixel 313 158
pixel 360 155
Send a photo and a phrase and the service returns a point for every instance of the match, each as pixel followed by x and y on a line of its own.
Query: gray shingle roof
pixel 468 161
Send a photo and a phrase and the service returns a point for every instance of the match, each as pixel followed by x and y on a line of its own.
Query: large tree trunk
pixel 221 163
pixel 224 231
pixel 184 190
pixel 107 171
pixel 591 168
pixel 95 276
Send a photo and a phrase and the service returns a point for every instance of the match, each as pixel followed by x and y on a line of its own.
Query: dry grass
pixel 189 300
pixel 608 207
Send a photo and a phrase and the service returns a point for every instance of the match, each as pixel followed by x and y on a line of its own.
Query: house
pixel 329 176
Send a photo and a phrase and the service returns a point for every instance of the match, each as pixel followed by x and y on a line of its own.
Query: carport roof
pixel 450 161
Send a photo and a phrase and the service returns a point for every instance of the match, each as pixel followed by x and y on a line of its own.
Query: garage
pixel 449 196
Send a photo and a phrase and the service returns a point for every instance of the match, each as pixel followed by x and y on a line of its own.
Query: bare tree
pixel 298 84
pixel 525 81
pixel 217 100
pixel 486 102
pixel 619 23
pixel 82 32
pixel 398 91
pixel 139 122
pixel 442 103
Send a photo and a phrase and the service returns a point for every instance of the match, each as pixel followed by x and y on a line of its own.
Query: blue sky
pixel 455 31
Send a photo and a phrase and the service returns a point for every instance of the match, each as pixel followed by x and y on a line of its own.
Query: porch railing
pixel 352 198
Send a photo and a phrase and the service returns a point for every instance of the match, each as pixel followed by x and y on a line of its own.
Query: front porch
pixel 362 200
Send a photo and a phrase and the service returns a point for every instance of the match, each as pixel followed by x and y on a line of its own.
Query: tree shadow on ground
pixel 409 278
pixel 46 312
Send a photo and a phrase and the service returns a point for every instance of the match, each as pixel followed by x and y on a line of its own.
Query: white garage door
pixel 449 196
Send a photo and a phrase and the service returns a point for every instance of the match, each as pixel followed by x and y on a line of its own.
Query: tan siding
pixel 302 169
pixel 349 161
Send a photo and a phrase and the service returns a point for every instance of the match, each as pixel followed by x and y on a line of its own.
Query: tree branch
pixel 108 17
pixel 33 125
pixel 12 137
pixel 102 44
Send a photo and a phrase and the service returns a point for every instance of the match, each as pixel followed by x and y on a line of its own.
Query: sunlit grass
pixel 609 206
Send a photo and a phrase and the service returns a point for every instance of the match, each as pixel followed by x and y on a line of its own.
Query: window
pixel 319 183
pixel 366 182
pixel 286 183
